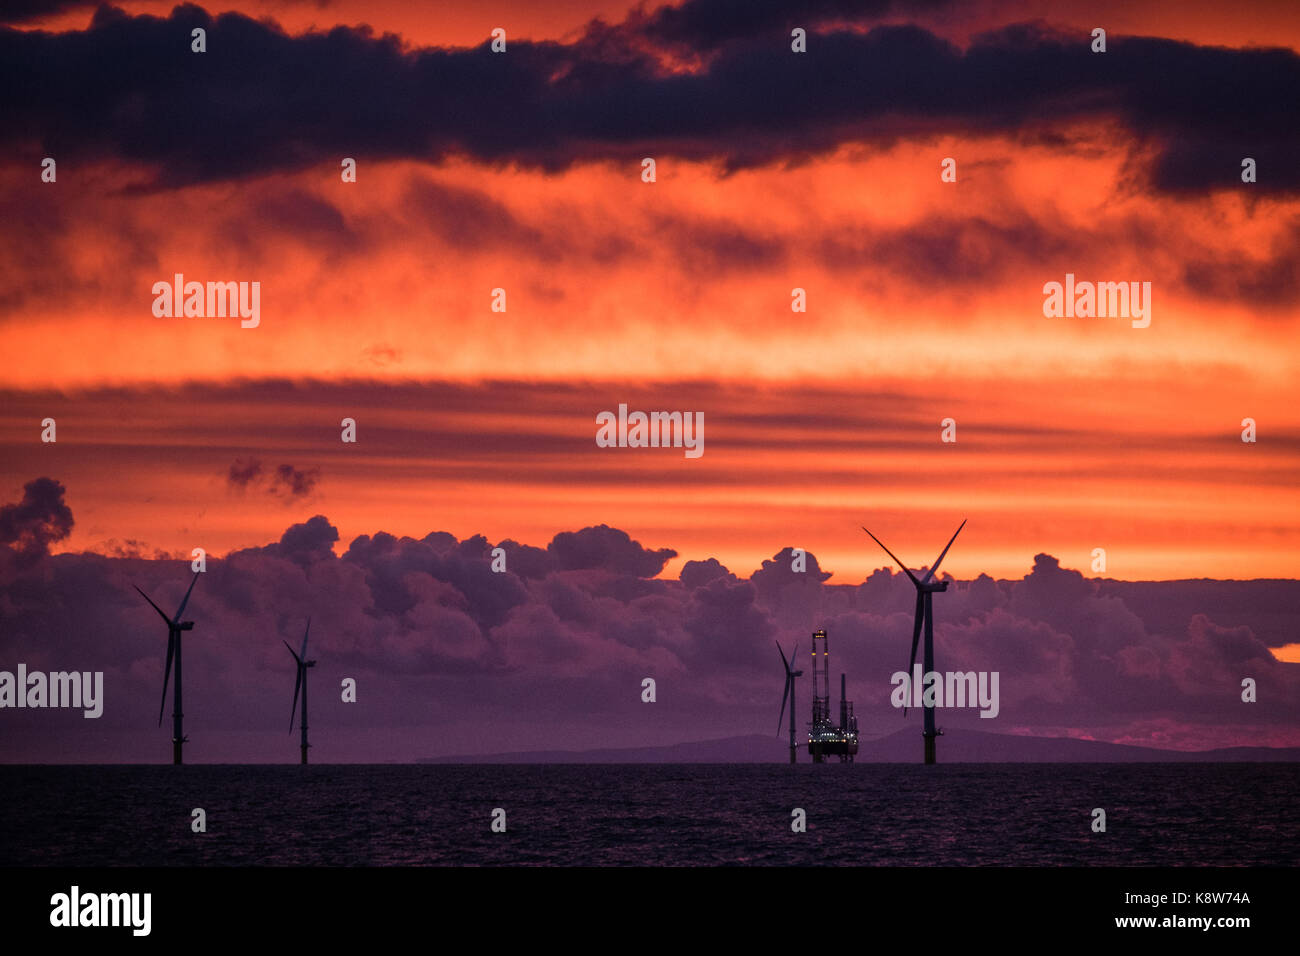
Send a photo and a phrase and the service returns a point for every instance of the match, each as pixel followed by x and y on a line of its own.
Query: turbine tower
pixel 925 588
pixel 790 675
pixel 174 627
pixel 301 681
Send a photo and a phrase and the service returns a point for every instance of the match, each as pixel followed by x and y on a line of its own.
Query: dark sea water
pixel 653 814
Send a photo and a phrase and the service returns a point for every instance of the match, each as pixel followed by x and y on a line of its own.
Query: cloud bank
pixel 563 638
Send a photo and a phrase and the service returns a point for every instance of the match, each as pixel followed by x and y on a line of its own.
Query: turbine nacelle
pixel 185 626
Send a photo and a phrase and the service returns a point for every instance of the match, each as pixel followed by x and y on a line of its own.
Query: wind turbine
pixel 790 675
pixel 301 681
pixel 174 627
pixel 925 588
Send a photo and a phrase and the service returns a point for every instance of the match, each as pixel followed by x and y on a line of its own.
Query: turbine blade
pixel 784 662
pixel 155 606
pixel 167 671
pixel 916 637
pixel 295 656
pixel 181 610
pixel 303 652
pixel 929 574
pixel 895 557
pixel 296 684
pixel 783 699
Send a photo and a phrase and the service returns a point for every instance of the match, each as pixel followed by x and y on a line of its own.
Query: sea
pixel 980 815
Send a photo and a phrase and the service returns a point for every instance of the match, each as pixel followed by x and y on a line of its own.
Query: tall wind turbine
pixel 301 681
pixel 174 627
pixel 925 588
pixel 790 675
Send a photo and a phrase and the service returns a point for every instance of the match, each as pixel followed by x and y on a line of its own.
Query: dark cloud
pixel 391 565
pixel 261 100
pixel 695 574
pixel 525 560
pixel 1267 607
pixel 779 572
pixel 731 634
pixel 294 482
pixel 792 597
pixel 244 471
pixel 41 518
pixel 608 549
pixel 707 24
pixel 310 541
pixel 28 11
pixel 285 481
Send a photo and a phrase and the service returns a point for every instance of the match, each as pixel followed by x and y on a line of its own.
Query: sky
pixel 774 171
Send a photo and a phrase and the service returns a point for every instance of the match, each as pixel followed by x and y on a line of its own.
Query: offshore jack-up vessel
pixel 825 738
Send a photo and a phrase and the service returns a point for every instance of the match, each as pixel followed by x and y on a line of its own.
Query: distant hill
pixel 955 746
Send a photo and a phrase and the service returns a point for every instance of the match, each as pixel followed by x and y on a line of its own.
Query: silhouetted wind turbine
pixel 925 587
pixel 790 675
pixel 174 627
pixel 301 681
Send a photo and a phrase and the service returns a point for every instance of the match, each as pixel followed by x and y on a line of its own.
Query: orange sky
pixel 1072 433
pixel 607 276
pixel 783 466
